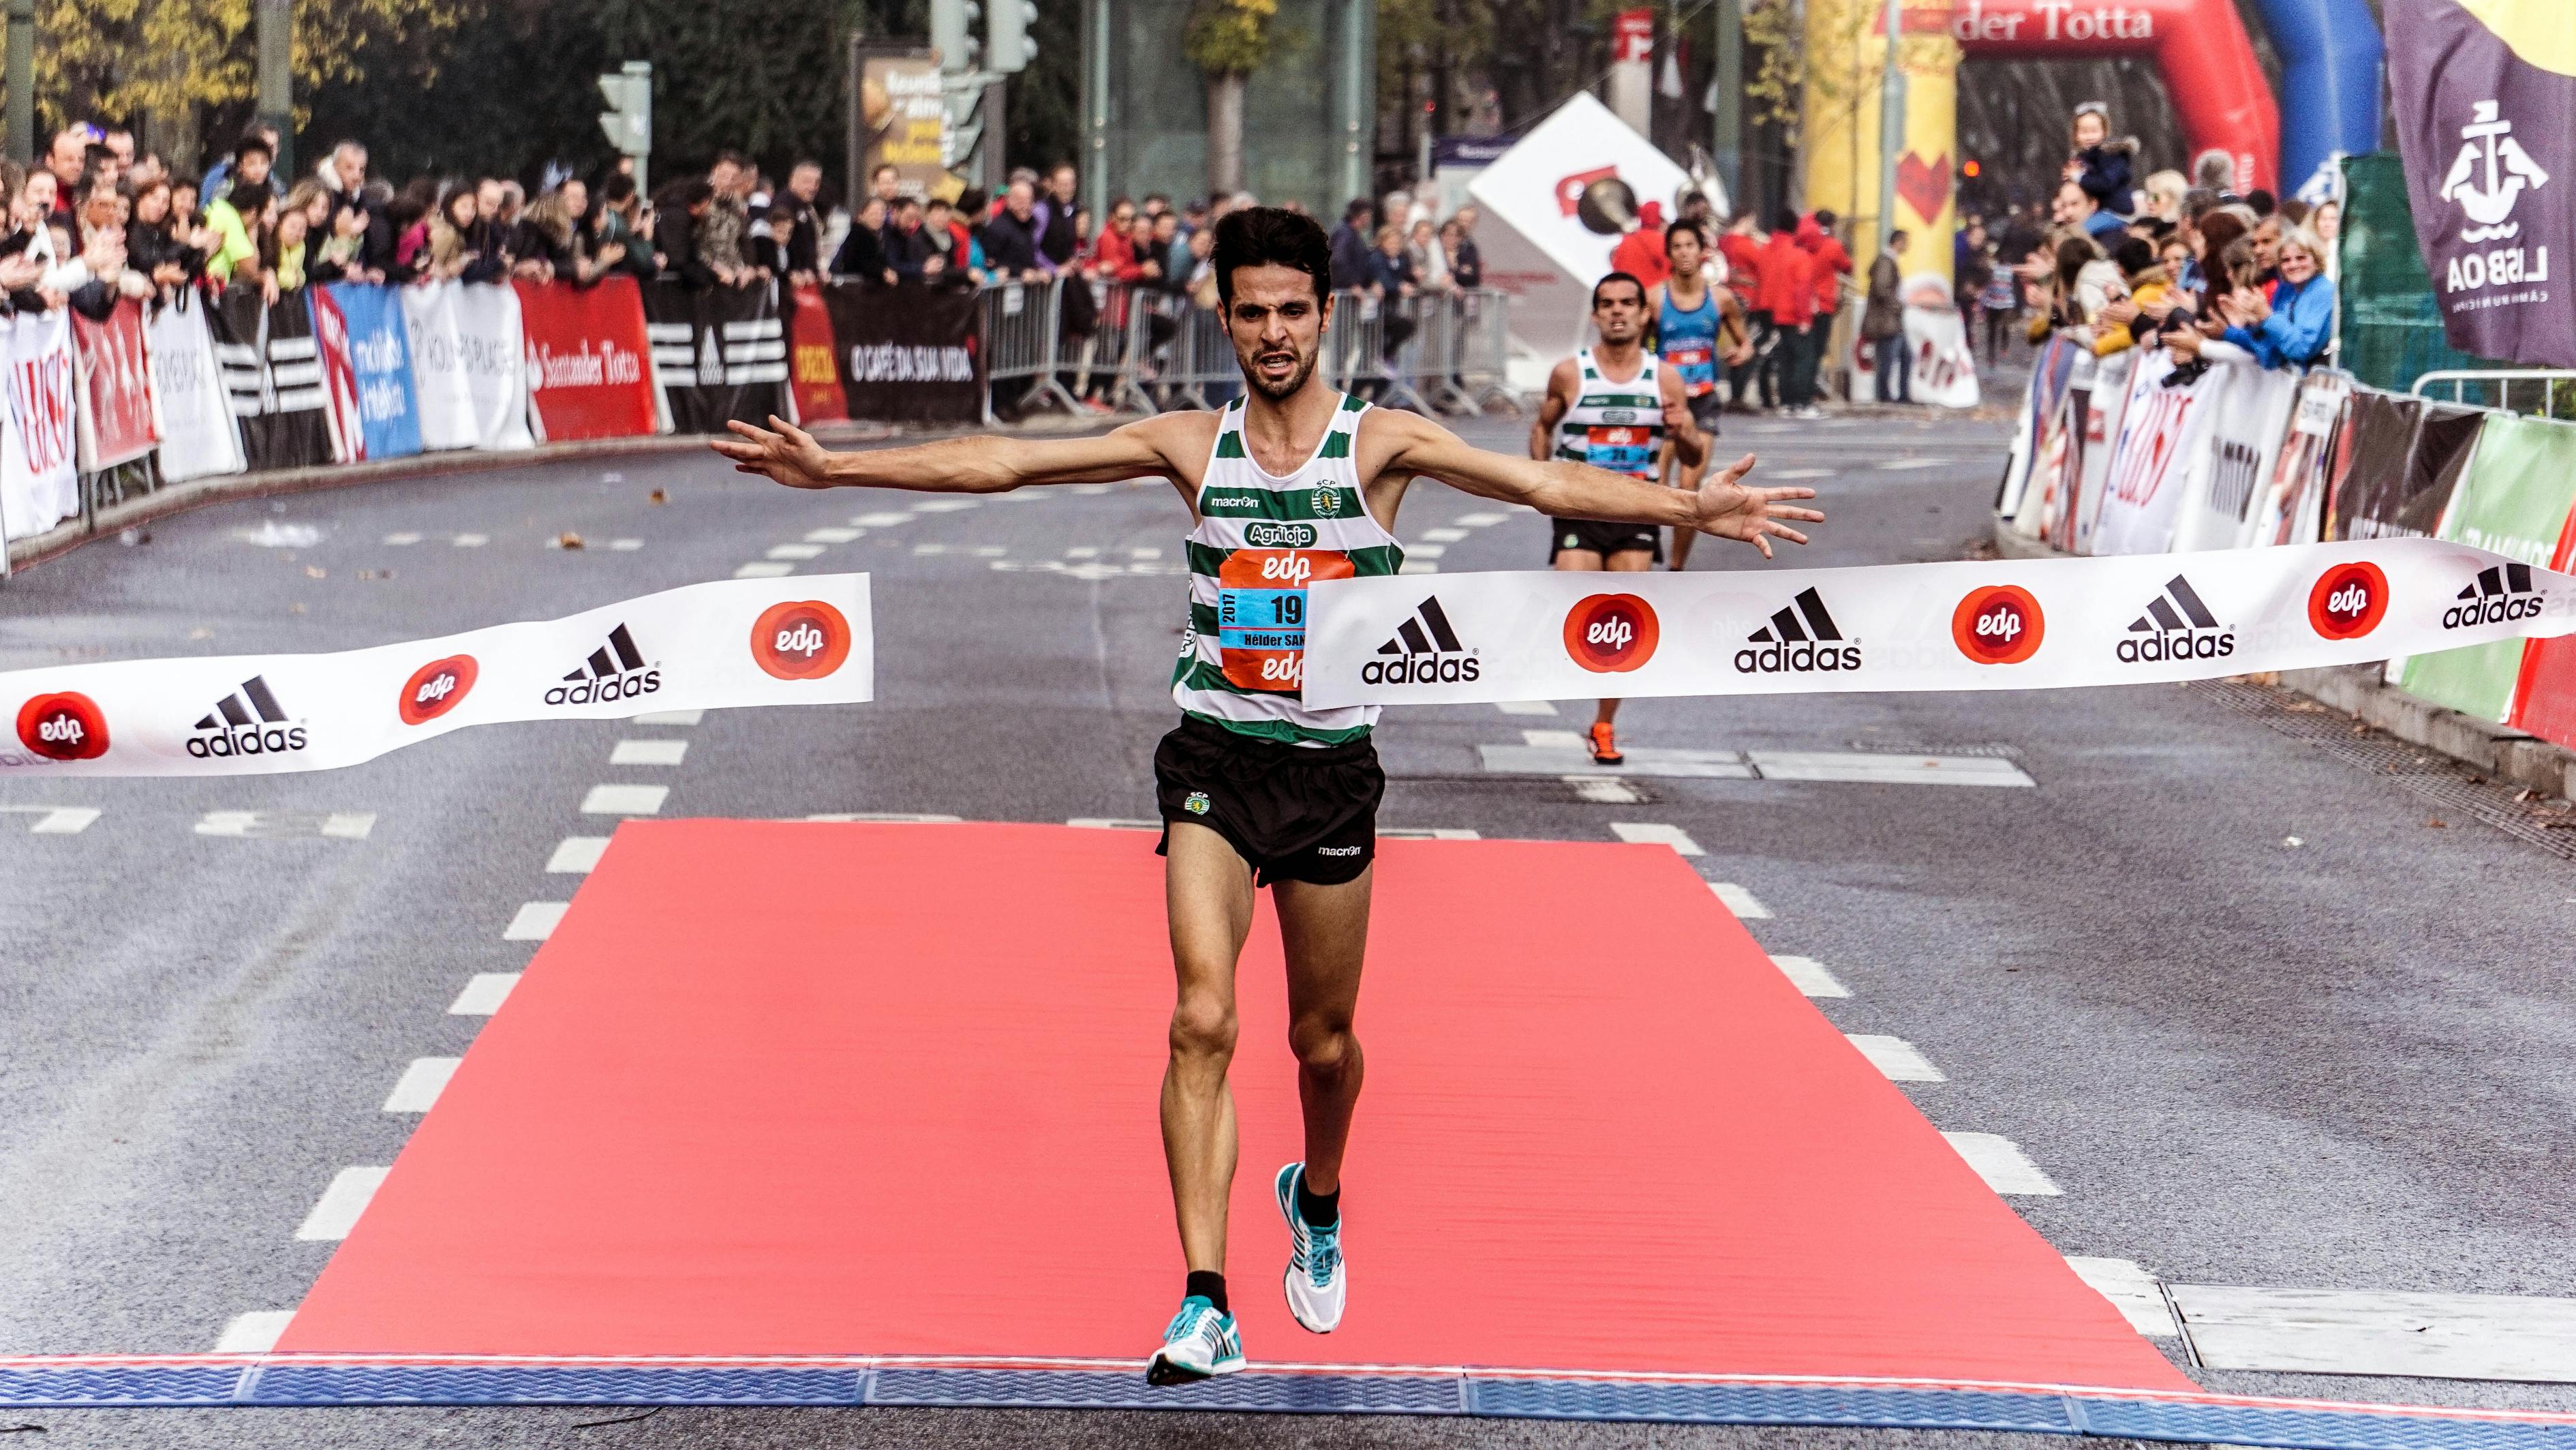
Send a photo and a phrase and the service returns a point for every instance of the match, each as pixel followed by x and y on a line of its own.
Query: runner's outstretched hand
pixel 1731 511
pixel 781 451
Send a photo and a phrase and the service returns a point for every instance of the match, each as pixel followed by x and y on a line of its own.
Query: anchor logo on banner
pixel 2490 175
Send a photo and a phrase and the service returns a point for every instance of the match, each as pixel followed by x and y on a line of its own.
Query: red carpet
pixel 782 1088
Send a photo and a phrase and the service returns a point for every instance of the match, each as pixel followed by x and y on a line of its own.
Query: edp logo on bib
pixel 804 640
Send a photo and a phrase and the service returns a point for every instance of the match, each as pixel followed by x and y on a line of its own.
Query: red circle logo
pixel 1611 633
pixel 805 640
pixel 65 726
pixel 2348 600
pixel 2000 624
pixel 436 688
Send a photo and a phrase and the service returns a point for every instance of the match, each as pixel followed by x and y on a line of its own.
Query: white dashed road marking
pixel 417 1090
pixel 1745 905
pixel 795 551
pixel 625 546
pixel 1443 536
pixel 1525 707
pixel 832 536
pixel 1810 977
pixel 1144 553
pixel 945 505
pixel 2131 1290
pixel 1552 739
pixel 910 818
pixel 1083 552
pixel 2000 1161
pixel 670 717
pixel 471 541
pixel 269 825
pixel 1562 752
pixel 401 540
pixel 1417 566
pixel 1897 463
pixel 1874 769
pixel 1427 833
pixel 1425 551
pixel 2343 1331
pixel 1790 474
pixel 625 800
pixel 483 995
pixel 256 1332
pixel 764 571
pixel 648 752
pixel 576 855
pixel 1480 521
pixel 1656 833
pixel 536 920
pixel 341 1204
pixel 1602 790
pixel 1895 1057
pixel 1112 823
pixel 879 521
pixel 54 820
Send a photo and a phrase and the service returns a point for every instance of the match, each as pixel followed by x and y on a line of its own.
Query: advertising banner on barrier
pixel 2056 469
pixel 813 360
pixel 2371 500
pixel 2164 428
pixel 728 644
pixel 274 378
pixel 2293 506
pixel 2545 699
pixel 381 417
pixel 718 354
pixel 117 420
pixel 2048 377
pixel 2513 501
pixel 1999 625
pixel 469 368
pixel 918 360
pixel 586 353
pixel 199 435
pixel 2246 420
pixel 39 481
pixel 2099 443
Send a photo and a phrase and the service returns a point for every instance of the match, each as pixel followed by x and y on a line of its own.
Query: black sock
pixel 1319 1210
pixel 1210 1287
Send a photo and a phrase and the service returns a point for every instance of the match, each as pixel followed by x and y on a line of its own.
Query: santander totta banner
pixel 587 355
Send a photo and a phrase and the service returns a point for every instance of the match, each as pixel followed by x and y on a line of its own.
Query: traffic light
pixel 1011 45
pixel 952 33
pixel 629 121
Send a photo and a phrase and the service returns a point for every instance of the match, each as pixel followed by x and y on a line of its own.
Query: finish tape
pixel 2036 624
pixel 733 643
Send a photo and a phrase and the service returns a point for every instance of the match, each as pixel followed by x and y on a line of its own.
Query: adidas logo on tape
pixel 1425 651
pixel 2500 594
pixel 2176 626
pixel 615 671
pixel 249 721
pixel 1801 638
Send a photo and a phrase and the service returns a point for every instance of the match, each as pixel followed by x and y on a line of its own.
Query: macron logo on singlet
pixel 1230 502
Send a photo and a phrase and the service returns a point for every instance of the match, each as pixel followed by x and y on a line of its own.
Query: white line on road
pixel 1528 707
pixel 1552 739
pixel 795 551
pixel 1745 905
pixel 576 855
pixel 831 536
pixel 256 1332
pixel 648 752
pixel 1872 768
pixel 625 800
pixel 1091 488
pixel 1917 463
pixel 924 550
pixel 348 825
pixel 907 818
pixel 483 995
pixel 1427 833
pixel 1084 551
pixel 624 546
pixel 536 920
pixel 351 1190
pixel 945 505
pixel 1788 474
pixel 64 821
pixel 402 540
pixel 1113 823
pixel 1443 536
pixel 1895 1057
pixel 1656 833
pixel 471 541
pixel 989 551
pixel 1426 551
pixel 1417 566
pixel 1999 1161
pixel 1810 977
pixel 2131 1290
pixel 417 1090
pixel 2345 1331
pixel 764 571
pixel 1144 553
pixel 1603 790
pixel 1480 521
pixel 670 717
pixel 879 521
pixel 338 825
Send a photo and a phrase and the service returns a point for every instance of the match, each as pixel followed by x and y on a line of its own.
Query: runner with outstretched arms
pixel 1292 482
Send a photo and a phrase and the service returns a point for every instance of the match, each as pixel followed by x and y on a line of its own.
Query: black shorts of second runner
pixel 1603 539
pixel 1706 409
pixel 1295 812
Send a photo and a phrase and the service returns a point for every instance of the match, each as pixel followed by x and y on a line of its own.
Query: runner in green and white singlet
pixel 1293 483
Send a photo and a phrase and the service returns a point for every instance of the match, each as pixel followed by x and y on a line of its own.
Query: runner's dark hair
pixel 1686 225
pixel 1256 236
pixel 1628 277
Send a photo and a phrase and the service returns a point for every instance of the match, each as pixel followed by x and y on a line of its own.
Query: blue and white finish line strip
pixel 236 1380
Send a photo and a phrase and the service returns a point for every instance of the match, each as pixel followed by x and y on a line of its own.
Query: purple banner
pixel 2490 155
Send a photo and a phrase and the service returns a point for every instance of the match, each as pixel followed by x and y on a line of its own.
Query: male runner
pixel 1292 482
pixel 1697 327
pixel 1614 406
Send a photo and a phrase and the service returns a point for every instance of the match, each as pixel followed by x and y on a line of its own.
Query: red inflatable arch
pixel 2217 85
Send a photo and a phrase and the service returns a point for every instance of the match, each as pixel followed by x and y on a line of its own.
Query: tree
pixel 1228 40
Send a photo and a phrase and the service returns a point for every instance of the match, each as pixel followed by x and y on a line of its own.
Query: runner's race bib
pixel 1261 614
pixel 1698 367
pixel 1620 449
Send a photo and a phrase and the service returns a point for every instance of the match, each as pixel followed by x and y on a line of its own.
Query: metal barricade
pixel 1020 321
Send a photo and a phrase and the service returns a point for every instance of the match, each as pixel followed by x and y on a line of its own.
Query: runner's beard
pixel 1279 392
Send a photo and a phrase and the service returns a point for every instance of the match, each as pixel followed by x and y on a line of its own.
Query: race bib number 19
pixel 1261 614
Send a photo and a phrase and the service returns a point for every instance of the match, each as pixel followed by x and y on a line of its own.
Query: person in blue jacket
pixel 2105 168
pixel 2290 324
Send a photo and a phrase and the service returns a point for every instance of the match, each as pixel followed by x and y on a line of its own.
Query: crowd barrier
pixel 2138 456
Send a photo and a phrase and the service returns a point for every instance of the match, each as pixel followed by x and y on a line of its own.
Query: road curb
pixel 225 488
pixel 2496 750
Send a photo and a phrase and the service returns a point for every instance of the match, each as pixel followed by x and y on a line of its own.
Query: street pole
pixel 1728 140
pixel 1891 123
pixel 992 164
pixel 1096 39
pixel 276 82
pixel 22 82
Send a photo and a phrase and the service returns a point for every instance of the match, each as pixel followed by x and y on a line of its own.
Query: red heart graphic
pixel 1924 186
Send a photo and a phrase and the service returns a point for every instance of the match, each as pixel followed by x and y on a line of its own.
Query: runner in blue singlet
pixel 1699 330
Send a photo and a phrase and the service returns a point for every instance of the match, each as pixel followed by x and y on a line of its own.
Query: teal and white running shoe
pixel 1199 1343
pixel 1316 1279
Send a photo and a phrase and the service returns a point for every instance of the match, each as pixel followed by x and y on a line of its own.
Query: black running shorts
pixel 1603 539
pixel 1296 813
pixel 1706 410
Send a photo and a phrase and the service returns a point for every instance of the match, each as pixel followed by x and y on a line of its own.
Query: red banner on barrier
pixel 117 420
pixel 586 358
pixel 812 366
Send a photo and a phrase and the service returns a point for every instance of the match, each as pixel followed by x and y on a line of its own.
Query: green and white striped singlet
pixel 1615 425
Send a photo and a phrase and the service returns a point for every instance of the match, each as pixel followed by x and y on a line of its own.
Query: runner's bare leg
pixel 1585 561
pixel 1324 930
pixel 1208 895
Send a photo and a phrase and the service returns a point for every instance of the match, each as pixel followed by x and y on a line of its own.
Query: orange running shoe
pixel 1605 744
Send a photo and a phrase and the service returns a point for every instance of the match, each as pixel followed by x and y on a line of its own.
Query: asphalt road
pixel 2342 1064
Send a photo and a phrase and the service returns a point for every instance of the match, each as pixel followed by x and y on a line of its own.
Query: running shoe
pixel 1605 744
pixel 1316 1280
pixel 1198 1344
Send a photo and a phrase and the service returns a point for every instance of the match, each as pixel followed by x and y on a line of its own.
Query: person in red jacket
pixel 1641 253
pixel 1742 249
pixel 1789 295
pixel 1833 264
